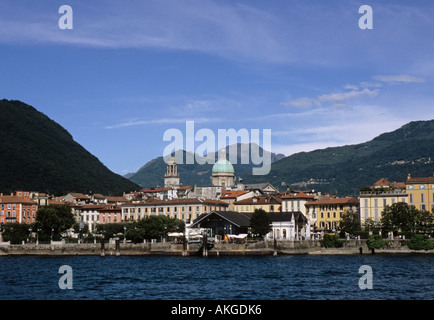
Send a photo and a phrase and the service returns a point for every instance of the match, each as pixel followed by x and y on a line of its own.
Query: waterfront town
pixel 225 207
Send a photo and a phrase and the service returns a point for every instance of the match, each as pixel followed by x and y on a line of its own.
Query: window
pixel 411 198
pixel 366 202
pixel 422 207
pixel 376 214
pixel 376 203
pixel 422 197
pixel 384 202
pixel 411 187
pixel 393 200
pixel 422 187
pixel 366 213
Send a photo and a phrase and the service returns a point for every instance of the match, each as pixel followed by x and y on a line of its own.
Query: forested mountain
pixel 339 170
pixel 37 154
pixel 346 169
pixel 152 173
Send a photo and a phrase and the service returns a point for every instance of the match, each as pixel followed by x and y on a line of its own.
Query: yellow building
pixel 420 192
pixel 267 203
pixel 374 199
pixel 184 209
pixel 328 211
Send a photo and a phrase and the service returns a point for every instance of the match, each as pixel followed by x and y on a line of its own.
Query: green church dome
pixel 223 166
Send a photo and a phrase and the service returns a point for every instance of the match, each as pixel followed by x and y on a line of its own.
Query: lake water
pixel 304 277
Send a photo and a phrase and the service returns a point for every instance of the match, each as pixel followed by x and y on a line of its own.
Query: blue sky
pixel 130 70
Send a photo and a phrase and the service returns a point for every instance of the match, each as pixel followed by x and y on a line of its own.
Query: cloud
pixel 336 99
pixel 138 122
pixel 345 96
pixel 398 78
pixel 302 102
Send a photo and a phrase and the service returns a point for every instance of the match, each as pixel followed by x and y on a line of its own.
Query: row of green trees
pixel 399 218
pixel 52 222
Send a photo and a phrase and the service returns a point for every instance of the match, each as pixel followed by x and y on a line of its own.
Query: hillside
pixel 152 173
pixel 346 169
pixel 37 154
pixel 339 170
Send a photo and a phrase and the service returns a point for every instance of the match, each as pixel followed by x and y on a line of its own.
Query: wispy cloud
pixel 138 122
pixel 333 98
pixel 362 90
pixel 398 78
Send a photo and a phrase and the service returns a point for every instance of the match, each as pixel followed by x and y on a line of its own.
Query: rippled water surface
pixel 251 278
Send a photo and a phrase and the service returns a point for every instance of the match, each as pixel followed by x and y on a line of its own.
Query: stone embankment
pixel 350 247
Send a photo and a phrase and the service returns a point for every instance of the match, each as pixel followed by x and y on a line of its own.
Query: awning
pixel 237 236
pixel 175 234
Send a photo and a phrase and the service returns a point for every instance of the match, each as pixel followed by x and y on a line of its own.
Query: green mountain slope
pixel 37 154
pixel 346 169
pixel 339 170
pixel 152 173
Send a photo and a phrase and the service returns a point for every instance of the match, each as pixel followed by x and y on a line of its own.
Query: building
pixel 420 192
pixel 169 193
pixel 295 201
pixel 186 209
pixel 265 188
pixel 223 174
pixel 89 214
pixel 288 226
pixel 110 214
pixel 249 205
pixel 374 199
pixel 77 198
pixel 232 196
pixel 19 209
pixel 171 178
pixel 328 211
pixel 222 223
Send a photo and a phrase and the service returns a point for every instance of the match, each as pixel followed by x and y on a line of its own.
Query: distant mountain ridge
pixel 152 173
pixel 344 170
pixel 37 154
pixel 339 170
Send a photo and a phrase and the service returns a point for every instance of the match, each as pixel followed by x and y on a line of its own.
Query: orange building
pixel 19 209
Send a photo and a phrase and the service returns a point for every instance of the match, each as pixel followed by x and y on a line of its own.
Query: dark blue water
pixel 216 278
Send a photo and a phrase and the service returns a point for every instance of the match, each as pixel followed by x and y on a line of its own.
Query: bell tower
pixel 171 178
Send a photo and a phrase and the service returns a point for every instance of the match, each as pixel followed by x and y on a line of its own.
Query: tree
pixel 53 221
pixel 260 222
pixel 424 222
pixel 349 223
pixel 332 241
pixel 375 242
pixel 16 233
pixel 420 242
pixel 155 227
pixel 399 217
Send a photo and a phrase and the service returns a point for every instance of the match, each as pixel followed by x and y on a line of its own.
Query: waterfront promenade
pixel 351 247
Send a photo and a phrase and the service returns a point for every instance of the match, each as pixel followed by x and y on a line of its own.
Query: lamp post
pixel 37 235
pixel 30 234
pixel 52 231
pixel 125 231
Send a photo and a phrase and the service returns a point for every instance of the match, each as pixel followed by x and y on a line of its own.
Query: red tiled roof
pixel 329 200
pixel 228 194
pixel 259 200
pixel 16 199
pixel 298 195
pixel 420 180
pixel 121 199
pixel 382 181
pixel 181 201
